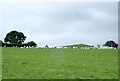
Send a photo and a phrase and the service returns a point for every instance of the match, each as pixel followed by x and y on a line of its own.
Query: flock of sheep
pixel 72 47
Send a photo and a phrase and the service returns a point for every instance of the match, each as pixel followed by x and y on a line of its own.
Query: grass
pixel 33 63
pixel 0 63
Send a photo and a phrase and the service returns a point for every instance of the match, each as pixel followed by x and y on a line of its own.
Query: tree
pixel 1 44
pixel 31 44
pixel 111 43
pixel 15 37
pixel 46 46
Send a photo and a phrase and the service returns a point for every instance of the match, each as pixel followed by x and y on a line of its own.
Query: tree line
pixel 16 39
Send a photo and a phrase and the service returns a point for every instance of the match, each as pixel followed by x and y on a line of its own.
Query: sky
pixel 62 23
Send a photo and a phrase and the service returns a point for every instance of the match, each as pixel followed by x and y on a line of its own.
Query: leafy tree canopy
pixel 31 43
pixel 111 43
pixel 1 43
pixel 15 37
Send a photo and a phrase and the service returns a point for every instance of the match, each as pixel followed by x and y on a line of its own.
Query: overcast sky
pixel 62 23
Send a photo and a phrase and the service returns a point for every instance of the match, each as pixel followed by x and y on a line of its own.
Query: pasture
pixel 53 63
pixel 0 63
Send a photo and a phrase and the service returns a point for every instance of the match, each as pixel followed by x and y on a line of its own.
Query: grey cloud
pixel 68 22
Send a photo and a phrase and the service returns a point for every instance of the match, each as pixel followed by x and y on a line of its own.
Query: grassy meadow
pixel 53 63
pixel 0 63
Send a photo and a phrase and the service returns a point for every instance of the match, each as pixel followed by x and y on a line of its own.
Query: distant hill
pixel 78 45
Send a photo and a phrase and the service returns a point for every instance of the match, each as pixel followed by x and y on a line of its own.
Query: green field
pixel 0 63
pixel 33 63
